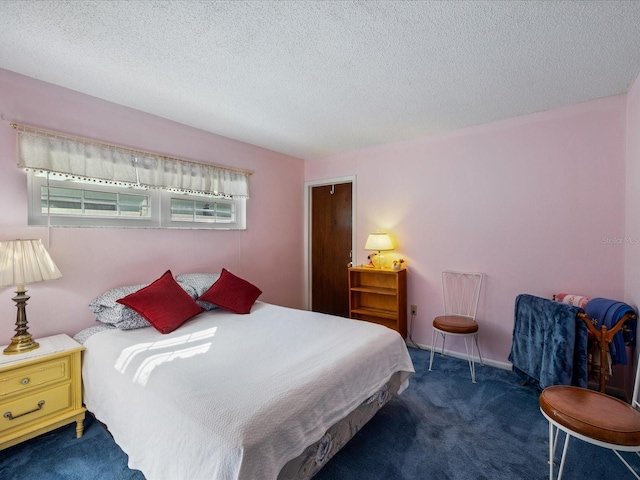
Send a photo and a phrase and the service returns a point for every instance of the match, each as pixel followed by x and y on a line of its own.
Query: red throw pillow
pixel 232 293
pixel 164 303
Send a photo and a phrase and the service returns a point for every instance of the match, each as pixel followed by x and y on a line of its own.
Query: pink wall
pixel 632 246
pixel 536 203
pixel 268 253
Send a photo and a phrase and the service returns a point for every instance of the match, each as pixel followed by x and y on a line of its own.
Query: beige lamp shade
pixel 378 242
pixel 25 261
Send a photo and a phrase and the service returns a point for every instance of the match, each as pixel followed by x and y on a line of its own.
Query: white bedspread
pixel 234 396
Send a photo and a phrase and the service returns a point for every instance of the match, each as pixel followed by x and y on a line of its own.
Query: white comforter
pixel 234 396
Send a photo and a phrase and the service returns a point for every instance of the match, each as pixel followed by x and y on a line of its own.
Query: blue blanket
pixel 608 312
pixel 549 344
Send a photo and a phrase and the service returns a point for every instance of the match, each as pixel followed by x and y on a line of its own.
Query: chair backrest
pixel 460 293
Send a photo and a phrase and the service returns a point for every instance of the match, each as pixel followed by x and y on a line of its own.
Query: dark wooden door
pixel 330 248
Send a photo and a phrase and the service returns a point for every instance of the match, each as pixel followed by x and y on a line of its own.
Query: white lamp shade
pixel 25 261
pixel 378 242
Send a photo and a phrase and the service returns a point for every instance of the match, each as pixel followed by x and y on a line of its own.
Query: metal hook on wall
pixel 333 189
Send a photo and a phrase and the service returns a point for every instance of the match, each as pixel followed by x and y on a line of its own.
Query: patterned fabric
pixel 164 303
pixel 199 283
pixel 107 310
pixel 315 456
pixel 83 335
pixel 575 300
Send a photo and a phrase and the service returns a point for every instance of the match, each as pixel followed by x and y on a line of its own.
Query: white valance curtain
pixel 46 151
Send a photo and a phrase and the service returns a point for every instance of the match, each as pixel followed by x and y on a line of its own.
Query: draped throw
pixel 549 344
pixel 85 159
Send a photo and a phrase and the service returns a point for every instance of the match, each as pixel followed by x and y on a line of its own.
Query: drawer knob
pixel 24 381
pixel 10 416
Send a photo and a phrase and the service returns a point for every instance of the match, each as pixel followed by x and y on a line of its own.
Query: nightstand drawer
pixel 34 376
pixel 32 407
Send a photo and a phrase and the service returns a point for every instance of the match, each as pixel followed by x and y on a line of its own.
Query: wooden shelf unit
pixel 379 296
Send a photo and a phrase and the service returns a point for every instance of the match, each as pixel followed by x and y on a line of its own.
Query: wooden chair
pixel 604 338
pixel 593 416
pixel 460 294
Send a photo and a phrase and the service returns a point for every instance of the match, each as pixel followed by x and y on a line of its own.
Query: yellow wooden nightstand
pixel 41 390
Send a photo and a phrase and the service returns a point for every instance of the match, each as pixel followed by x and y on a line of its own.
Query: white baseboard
pixel 462 355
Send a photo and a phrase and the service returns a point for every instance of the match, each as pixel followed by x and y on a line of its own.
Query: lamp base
pixel 22 340
pixel 21 344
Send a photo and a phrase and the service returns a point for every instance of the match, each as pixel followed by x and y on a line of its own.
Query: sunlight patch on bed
pixel 149 364
pixel 129 354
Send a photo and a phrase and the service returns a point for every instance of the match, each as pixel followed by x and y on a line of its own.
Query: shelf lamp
pixel 23 262
pixel 379 242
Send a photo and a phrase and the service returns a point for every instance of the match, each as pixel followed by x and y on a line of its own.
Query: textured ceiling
pixel 311 78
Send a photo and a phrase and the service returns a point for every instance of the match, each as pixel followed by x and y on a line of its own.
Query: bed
pixel 268 395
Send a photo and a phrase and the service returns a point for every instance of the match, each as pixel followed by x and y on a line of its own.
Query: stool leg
pixel 470 359
pixel 478 349
pixel 627 464
pixel 444 337
pixel 564 455
pixel 552 447
pixel 433 347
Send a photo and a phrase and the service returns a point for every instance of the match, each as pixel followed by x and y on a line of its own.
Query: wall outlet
pixel 414 309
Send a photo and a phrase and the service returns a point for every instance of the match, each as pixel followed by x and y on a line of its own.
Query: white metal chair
pixel 460 295
pixel 593 417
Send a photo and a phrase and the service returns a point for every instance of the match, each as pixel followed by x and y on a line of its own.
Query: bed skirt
pixel 315 456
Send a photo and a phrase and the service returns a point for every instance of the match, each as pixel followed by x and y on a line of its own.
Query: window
pixel 199 211
pixel 208 211
pixel 80 182
pixel 72 202
pixel 78 201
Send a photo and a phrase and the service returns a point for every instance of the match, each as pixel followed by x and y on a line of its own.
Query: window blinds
pixel 86 159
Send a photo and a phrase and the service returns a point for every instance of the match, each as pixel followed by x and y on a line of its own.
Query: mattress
pixel 231 396
pixel 315 456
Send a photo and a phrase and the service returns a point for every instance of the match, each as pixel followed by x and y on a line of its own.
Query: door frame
pixel 307 228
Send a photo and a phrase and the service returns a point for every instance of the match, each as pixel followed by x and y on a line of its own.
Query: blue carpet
pixel 58 455
pixel 443 427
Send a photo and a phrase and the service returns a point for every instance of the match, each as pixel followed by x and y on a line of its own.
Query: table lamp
pixel 23 262
pixel 379 242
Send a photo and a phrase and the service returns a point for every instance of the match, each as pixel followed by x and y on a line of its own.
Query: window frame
pixel 165 212
pixel 159 205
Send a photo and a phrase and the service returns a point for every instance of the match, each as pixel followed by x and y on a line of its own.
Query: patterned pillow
pixel 107 310
pixel 199 283
pixel 575 300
